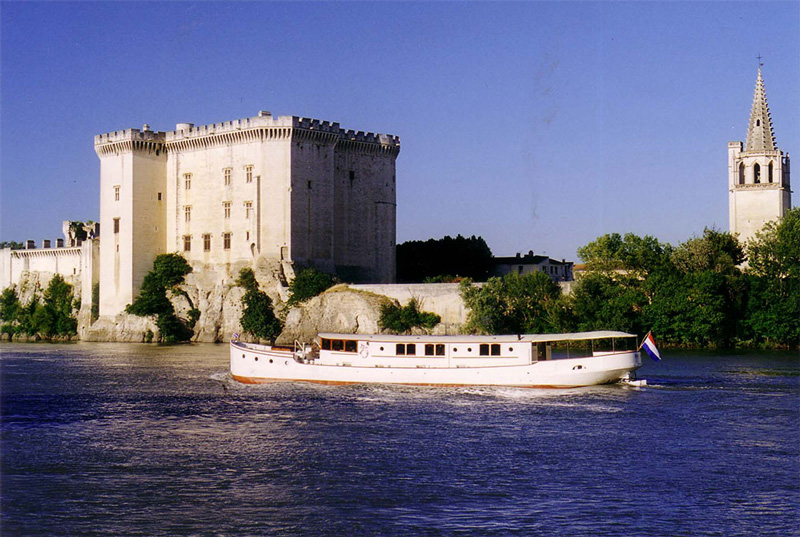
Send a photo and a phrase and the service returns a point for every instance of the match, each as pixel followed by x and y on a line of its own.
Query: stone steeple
pixel 758 173
pixel 760 136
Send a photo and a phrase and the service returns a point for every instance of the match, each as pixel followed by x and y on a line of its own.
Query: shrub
pixel 169 271
pixel 515 304
pixel 308 284
pixel 401 319
pixel 258 317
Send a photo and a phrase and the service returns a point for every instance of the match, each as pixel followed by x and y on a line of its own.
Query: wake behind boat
pixel 529 360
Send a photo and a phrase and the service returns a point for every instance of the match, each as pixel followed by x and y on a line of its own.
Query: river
pixel 130 439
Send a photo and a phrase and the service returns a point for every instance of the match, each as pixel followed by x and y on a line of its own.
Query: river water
pixel 108 439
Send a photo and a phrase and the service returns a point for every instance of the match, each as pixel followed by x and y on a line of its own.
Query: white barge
pixel 530 360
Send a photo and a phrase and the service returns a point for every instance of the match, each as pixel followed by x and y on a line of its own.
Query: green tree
pixel 9 305
pixel 447 258
pixel 307 284
pixel 631 254
pixel 601 301
pixel 715 251
pixel 401 319
pixel 773 308
pixel 10 308
pixel 515 304
pixel 169 271
pixel 58 305
pixel 14 245
pixel 258 317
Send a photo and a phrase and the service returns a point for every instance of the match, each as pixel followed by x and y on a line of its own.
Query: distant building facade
pixel 559 271
pixel 297 190
pixel 758 173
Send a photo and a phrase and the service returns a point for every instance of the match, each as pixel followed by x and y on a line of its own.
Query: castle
pixel 758 173
pixel 295 190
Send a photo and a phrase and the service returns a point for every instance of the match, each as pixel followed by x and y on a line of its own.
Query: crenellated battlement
pixel 129 135
pixel 129 140
pixel 265 126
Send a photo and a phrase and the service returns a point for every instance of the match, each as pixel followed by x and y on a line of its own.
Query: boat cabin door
pixel 542 351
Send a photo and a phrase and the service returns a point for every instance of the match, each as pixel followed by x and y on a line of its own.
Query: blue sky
pixel 536 125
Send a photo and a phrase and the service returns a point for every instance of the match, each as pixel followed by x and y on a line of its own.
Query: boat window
pixel 493 349
pixel 401 349
pixel 326 344
pixel 350 345
pixel 337 344
pixel 434 350
pixel 411 349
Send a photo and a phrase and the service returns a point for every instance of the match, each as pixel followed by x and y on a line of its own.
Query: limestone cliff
pixel 339 309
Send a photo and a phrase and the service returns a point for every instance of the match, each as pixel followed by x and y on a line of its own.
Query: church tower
pixel 758 173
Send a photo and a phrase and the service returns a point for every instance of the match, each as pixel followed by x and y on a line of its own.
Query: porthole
pixel 455 349
pixel 270 360
pixel 256 358
pixel 511 349
pixel 381 348
pixel 469 349
pixel 243 356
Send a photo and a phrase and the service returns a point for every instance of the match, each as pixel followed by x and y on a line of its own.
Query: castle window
pixel 769 173
pixel 226 241
pixel 756 174
pixel 207 242
pixel 352 178
pixel 116 193
pixel 226 207
pixel 741 173
pixel 248 209
pixel 226 176
pixel 159 196
pixel 187 213
pixel 187 243
pixel 187 180
pixel 116 225
pixel 758 123
pixel 248 173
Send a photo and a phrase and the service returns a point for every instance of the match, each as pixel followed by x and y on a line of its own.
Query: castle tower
pixel 132 212
pixel 758 173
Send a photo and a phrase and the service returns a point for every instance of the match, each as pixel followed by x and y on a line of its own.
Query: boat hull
pixel 261 364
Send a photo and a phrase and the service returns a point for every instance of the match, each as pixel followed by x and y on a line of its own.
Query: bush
pixel 258 317
pixel 515 304
pixel 308 284
pixel 401 319
pixel 51 318
pixel 169 271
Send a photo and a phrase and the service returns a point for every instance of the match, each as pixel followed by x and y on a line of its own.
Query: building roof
pixel 760 137
pixel 532 338
pixel 528 259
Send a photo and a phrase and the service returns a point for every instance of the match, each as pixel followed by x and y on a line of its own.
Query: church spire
pixel 760 137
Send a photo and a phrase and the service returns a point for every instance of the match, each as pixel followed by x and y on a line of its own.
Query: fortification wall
pixel 17 264
pixel 443 299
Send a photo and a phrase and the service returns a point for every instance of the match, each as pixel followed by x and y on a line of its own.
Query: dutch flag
pixel 649 346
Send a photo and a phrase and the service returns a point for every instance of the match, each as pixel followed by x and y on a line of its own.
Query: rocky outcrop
pixel 123 327
pixel 339 309
pixel 211 290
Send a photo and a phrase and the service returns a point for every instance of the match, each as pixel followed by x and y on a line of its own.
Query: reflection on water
pixel 106 439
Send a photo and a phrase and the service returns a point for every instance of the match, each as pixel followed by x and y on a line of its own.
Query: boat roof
pixel 533 338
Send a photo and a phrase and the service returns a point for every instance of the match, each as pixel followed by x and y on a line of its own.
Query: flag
pixel 649 346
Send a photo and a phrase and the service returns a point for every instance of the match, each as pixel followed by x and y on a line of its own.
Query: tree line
pixel 710 291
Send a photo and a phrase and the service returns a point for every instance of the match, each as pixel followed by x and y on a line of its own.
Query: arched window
pixel 741 173
pixel 756 174
pixel 769 173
